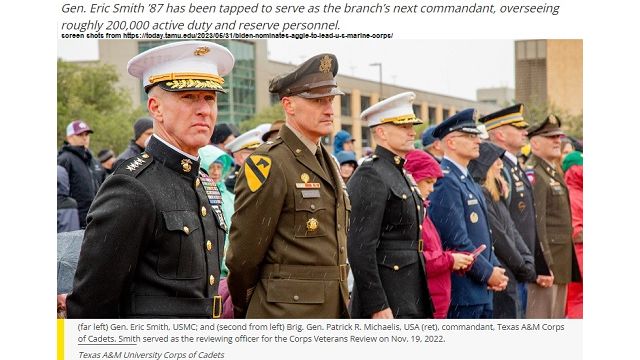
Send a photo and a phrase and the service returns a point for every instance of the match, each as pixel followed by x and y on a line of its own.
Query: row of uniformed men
pixel 155 234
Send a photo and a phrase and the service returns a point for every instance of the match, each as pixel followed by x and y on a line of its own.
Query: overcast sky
pixel 449 67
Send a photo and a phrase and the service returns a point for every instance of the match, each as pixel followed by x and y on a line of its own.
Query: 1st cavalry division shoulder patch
pixel 256 170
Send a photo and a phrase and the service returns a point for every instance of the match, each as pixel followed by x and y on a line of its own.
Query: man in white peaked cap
pixel 240 148
pixel 155 235
pixel 385 245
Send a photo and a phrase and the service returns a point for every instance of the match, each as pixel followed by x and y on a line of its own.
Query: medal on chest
pixel 214 197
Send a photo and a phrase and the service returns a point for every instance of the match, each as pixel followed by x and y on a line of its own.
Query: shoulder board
pixel 135 166
pixel 446 170
pixel 267 146
pixel 370 158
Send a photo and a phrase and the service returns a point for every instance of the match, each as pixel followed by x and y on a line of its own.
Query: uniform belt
pixel 176 307
pixel 402 245
pixel 305 272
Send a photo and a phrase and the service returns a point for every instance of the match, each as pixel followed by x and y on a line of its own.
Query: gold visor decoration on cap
pixel 402 119
pixel 201 51
pixel 203 77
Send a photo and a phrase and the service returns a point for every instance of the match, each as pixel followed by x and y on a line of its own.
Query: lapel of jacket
pixel 468 182
pixel 335 172
pixel 303 155
pixel 521 174
pixel 551 171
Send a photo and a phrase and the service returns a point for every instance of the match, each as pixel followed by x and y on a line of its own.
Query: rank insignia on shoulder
pixel 135 164
pixel 256 170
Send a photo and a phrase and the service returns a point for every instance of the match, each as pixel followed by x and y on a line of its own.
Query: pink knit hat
pixel 422 165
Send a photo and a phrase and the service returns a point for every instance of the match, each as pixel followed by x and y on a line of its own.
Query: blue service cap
pixel 427 136
pixel 464 121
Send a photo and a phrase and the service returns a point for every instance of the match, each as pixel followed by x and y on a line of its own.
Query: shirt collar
pixel 194 158
pixel 308 143
pixel 511 157
pixel 463 169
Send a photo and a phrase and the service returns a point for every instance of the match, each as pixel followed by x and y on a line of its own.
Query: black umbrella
pixel 68 252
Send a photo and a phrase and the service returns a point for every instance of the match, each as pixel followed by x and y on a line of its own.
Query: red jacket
pixel 439 264
pixel 573 178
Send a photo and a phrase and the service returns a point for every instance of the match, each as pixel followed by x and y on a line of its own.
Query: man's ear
pixel 288 105
pixel 448 142
pixel 499 134
pixel 380 132
pixel 154 105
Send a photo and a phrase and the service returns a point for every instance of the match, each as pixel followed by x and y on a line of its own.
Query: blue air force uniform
pixel 459 212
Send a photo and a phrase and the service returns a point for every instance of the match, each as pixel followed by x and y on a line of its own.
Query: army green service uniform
pixel 553 220
pixel 553 225
pixel 287 255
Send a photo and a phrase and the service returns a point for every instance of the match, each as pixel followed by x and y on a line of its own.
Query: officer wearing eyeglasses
pixel 459 213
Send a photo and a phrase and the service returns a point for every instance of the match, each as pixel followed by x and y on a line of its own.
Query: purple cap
pixel 78 127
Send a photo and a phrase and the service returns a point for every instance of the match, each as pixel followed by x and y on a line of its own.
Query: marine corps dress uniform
pixel 160 256
pixel 385 244
pixel 155 236
pixel 287 255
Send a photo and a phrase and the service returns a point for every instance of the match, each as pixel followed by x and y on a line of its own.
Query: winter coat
pixel 85 177
pixel 513 254
pixel 68 219
pixel 573 178
pixel 438 264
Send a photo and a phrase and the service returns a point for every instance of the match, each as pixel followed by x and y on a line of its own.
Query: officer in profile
pixel 431 144
pixel 459 212
pixel 385 244
pixel 240 148
pixel 287 249
pixel 553 220
pixel 155 234
pixel 508 129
